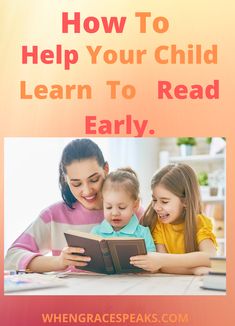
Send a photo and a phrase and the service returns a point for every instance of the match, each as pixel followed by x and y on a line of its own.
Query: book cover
pixel 157 69
pixel 101 261
pixel 110 255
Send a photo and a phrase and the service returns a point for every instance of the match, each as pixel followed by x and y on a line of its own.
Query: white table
pixel 125 284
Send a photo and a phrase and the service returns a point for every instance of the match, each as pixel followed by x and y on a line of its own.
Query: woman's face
pixel 85 179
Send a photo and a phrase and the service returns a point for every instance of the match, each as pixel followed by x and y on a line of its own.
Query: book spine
pixel 107 257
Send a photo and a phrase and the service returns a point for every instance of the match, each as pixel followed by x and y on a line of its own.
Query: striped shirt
pixel 46 234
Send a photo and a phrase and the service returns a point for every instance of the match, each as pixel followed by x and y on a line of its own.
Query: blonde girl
pixel 182 234
pixel 121 203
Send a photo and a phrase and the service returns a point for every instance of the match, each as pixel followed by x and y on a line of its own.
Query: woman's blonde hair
pixel 181 180
pixel 125 178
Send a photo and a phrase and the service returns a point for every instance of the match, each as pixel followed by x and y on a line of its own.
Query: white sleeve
pixel 34 241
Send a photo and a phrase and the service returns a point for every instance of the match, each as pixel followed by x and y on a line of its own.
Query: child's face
pixel 168 206
pixel 118 208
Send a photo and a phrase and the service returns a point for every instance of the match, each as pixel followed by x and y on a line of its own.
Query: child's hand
pixel 150 262
pixel 201 270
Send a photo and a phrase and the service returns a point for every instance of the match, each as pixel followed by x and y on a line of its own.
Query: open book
pixel 109 255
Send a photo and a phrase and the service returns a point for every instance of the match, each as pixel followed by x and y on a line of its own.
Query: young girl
pixel 177 224
pixel 121 201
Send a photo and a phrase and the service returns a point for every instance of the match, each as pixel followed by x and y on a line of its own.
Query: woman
pixel 81 175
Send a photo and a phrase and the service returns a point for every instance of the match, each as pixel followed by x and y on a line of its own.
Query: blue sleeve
pixel 150 246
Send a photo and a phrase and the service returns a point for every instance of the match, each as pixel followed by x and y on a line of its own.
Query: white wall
pixel 31 174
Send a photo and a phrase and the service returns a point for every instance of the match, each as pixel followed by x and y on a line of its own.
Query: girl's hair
pixel 77 150
pixel 126 178
pixel 179 179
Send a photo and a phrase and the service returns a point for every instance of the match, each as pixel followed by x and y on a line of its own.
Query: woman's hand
pixel 72 256
pixel 150 262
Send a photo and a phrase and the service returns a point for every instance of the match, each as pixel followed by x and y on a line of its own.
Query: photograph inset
pixel 119 216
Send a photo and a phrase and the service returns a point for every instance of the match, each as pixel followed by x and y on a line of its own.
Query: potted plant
pixel 204 183
pixel 186 145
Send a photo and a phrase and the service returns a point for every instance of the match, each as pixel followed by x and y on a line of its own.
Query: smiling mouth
pixel 163 216
pixel 90 199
